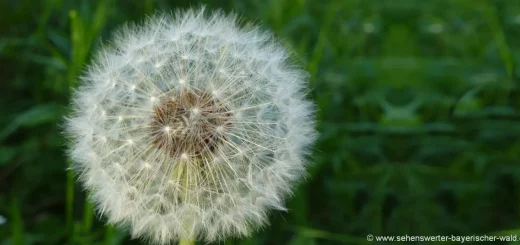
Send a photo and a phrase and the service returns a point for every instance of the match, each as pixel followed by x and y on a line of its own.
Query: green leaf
pixel 35 116
pixel 6 154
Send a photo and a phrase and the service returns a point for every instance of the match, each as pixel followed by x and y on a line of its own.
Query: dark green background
pixel 418 112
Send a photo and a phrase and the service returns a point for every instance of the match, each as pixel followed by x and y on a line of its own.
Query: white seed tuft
pixel 221 143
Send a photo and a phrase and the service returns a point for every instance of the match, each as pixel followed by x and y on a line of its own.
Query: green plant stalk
pixel 491 16
pixel 109 235
pixel 88 215
pixel 16 224
pixel 82 37
pixel 69 208
pixel 317 52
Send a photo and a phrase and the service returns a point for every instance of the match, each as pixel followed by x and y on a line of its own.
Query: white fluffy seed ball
pixel 190 127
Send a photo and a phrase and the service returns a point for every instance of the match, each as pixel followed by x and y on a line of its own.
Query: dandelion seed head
pixel 203 128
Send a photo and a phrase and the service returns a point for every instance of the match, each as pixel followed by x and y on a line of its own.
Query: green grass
pixel 418 114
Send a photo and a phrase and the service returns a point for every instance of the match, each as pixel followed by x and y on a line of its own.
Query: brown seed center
pixel 188 123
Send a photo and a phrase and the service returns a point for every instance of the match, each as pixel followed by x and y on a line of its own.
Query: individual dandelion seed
pixel 190 127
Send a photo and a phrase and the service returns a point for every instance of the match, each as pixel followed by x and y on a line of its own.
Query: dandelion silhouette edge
pixel 190 126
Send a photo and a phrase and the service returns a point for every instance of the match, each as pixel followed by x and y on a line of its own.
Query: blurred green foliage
pixel 418 112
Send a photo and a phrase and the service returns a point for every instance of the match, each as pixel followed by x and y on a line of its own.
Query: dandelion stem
pixel 179 172
pixel 186 242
